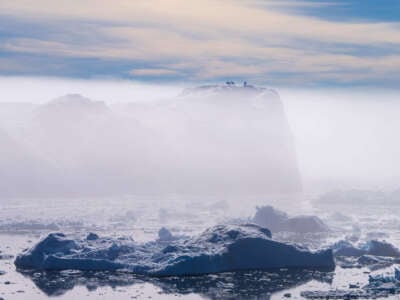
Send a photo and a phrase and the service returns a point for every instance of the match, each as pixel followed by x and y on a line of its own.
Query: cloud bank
pixel 263 41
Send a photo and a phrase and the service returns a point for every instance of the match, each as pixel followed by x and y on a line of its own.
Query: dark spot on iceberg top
pixel 233 234
pixel 170 249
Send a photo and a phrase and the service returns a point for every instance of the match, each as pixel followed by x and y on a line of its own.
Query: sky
pixel 279 43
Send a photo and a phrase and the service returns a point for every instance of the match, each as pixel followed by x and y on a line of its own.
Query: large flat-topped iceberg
pixel 229 139
pixel 229 89
pixel 217 139
pixel 218 249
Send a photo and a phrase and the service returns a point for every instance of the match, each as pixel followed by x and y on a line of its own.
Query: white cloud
pixel 204 17
pixel 209 38
pixel 152 72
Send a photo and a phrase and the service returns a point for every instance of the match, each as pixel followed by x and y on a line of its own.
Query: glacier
pixel 221 248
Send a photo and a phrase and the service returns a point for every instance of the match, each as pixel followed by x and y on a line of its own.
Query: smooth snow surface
pixel 218 249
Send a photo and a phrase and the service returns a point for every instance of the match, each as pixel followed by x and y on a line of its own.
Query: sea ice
pixel 28 225
pixel 379 286
pixel 218 249
pixel 5 256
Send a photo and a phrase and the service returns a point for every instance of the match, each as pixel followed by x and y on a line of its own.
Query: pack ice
pixel 218 249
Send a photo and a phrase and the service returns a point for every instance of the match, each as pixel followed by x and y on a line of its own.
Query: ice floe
pixel 218 249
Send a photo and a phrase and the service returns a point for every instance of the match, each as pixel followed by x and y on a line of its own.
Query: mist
pixel 202 140
pixel 154 179
pixel 106 136
pixel 345 138
pixel 205 150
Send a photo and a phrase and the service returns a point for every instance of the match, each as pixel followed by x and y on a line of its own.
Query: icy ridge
pixel 218 249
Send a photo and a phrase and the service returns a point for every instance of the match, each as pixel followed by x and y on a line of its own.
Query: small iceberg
pixel 218 249
pixel 371 247
pixel 165 235
pixel 373 254
pixel 279 221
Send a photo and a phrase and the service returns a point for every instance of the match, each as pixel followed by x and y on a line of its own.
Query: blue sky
pixel 282 43
pixel 354 10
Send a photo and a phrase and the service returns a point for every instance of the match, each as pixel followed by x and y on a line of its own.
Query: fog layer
pixel 69 137
pixel 346 138
pixel 217 139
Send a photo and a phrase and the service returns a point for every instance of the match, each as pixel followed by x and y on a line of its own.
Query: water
pixel 23 221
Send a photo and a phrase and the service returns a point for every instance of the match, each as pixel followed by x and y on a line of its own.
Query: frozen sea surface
pixel 24 222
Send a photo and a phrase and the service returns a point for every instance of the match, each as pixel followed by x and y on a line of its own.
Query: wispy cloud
pixel 152 72
pixel 206 40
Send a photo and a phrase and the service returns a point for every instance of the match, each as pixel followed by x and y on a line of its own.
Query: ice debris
pixel 218 249
pixel 379 286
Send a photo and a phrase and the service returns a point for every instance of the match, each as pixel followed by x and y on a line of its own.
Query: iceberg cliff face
pixel 237 139
pixel 218 249
pixel 219 139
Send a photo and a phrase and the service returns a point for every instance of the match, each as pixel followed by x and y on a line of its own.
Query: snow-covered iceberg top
pixel 218 249
pixel 231 89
